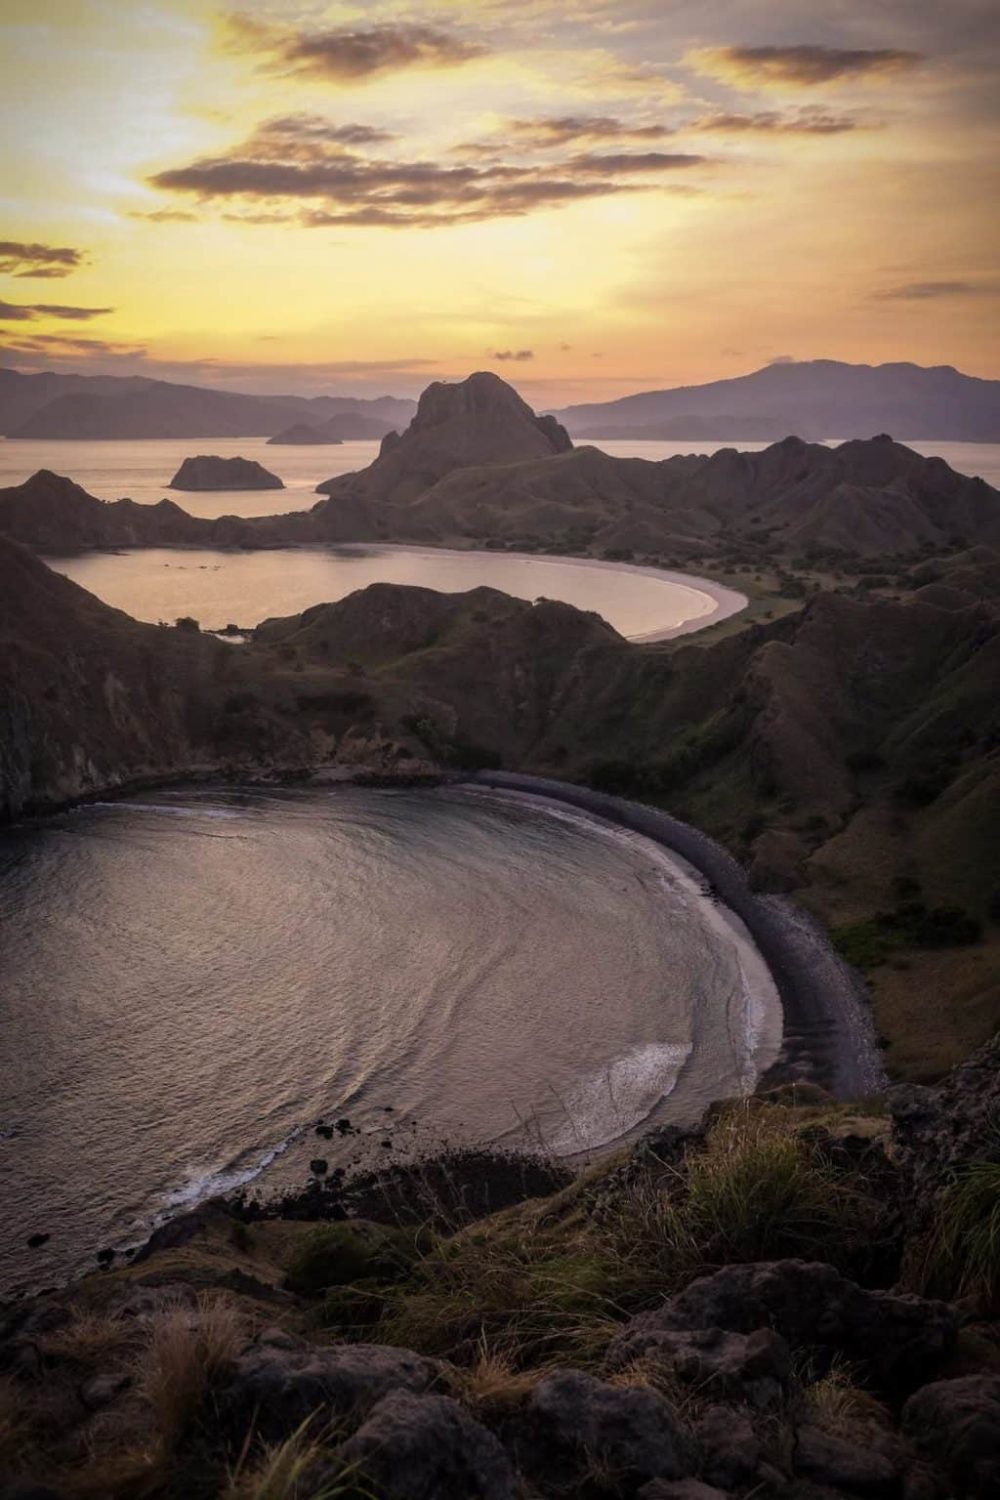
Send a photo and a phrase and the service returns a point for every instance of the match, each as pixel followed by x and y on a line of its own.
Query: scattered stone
pixel 102 1390
pixel 326 1131
pixel 36 1241
pixel 575 1420
pixel 730 1447
pixel 345 1127
pixel 415 1447
pixel 279 1381
pixel 105 1257
pixel 842 1462
pixel 957 1422
pixel 900 1339
pixel 318 1166
pixel 755 1367
pixel 679 1489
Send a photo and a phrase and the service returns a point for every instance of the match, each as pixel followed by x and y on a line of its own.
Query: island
pixel 208 472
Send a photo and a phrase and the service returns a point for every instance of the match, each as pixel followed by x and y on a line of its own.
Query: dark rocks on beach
pixel 36 1241
pixel 318 1166
pixel 412 1447
pixel 279 1381
pixel 105 1256
pixel 326 1131
pixel 345 1127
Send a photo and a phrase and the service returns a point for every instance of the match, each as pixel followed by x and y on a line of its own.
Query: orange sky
pixel 589 196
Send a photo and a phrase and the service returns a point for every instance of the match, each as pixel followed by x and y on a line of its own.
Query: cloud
pixel 517 355
pixel 806 66
pixel 43 261
pixel 15 312
pixel 165 216
pixel 306 127
pixel 927 291
pixel 562 130
pixel 797 122
pixel 349 55
pixel 289 170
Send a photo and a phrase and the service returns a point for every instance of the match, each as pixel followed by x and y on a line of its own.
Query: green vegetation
pixel 911 925
pixel 352 1250
pixel 962 1256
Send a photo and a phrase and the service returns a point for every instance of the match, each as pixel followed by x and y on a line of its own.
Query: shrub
pixel 186 622
pixel 352 1250
pixel 963 1251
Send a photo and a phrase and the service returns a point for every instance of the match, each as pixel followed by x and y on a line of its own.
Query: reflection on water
pixel 190 980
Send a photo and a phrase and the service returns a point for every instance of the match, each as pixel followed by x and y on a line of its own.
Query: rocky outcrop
pixel 900 1339
pixel 209 472
pixel 280 1380
pixel 480 421
pixel 346 426
pixel 412 1447
pixel 957 1423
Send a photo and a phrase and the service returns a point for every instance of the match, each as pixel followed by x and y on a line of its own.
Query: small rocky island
pixel 208 472
pixel 300 434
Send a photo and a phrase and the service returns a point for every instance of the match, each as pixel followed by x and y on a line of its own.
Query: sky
pixel 591 197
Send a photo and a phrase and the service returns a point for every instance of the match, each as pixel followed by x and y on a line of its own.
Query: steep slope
pixel 821 398
pixel 481 420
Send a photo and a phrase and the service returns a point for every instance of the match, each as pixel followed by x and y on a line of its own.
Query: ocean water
pixel 222 587
pixel 189 980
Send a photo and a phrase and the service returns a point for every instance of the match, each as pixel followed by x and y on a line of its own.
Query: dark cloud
pixel 517 355
pixel 14 312
pixel 347 54
pixel 284 173
pixel 165 216
pixel 927 291
pixel 305 127
pixel 795 122
pixel 804 65
pixel 44 261
pixel 565 129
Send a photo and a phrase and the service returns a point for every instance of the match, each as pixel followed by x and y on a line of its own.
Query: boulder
pixel 420 1447
pixel 899 1339
pixel 843 1462
pixel 575 1421
pixel 679 1489
pixel 730 1448
pixel 209 472
pixel 280 1380
pixel 957 1422
pixel 754 1367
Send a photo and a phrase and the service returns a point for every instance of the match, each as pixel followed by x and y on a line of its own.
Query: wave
pixel 202 1185
pixel 614 1099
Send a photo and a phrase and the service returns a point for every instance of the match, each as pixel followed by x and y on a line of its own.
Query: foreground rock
pixel 208 472
pixel 899 1339
pixel 957 1422
pixel 412 1447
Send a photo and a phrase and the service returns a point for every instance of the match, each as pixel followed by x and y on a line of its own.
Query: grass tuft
pixel 962 1256
pixel 187 1349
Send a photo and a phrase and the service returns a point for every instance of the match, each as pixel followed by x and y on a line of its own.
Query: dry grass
pixel 89 1338
pixel 293 1470
pixel 493 1380
pixel 753 1192
pixel 187 1348
pixel 16 1433
pixel 838 1403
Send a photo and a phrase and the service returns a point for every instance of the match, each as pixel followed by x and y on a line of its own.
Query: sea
pixel 191 979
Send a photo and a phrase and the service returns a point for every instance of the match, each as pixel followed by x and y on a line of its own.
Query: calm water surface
pixel 189 980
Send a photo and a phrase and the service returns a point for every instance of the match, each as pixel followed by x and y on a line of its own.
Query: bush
pixel 911 925
pixel 963 1251
pixel 187 622
pixel 352 1250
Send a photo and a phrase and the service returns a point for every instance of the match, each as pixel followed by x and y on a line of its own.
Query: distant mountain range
pixel 48 405
pixel 815 399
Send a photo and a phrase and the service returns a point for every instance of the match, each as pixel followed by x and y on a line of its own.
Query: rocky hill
pixel 301 435
pixel 208 472
pixel 347 426
pixel 820 398
pixel 481 420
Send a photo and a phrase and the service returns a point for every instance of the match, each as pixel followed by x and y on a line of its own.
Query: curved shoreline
pixel 725 601
pixel 828 1033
